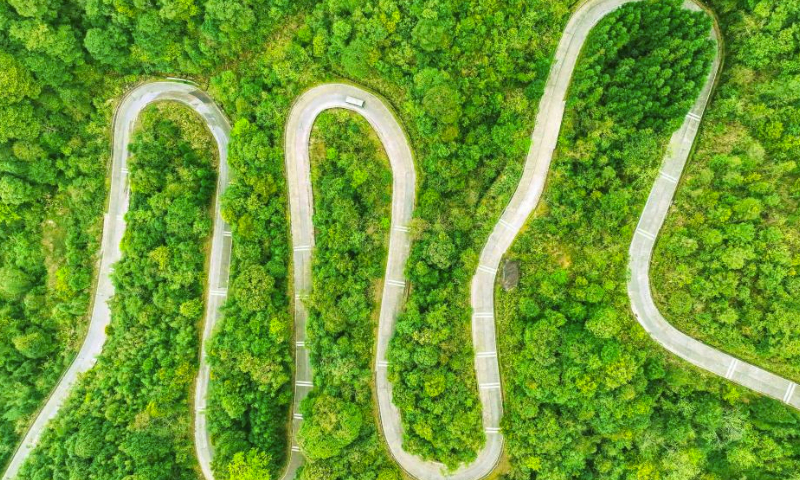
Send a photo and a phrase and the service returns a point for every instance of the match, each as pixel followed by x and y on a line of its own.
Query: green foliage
pixel 130 416
pixel 250 357
pixel 465 78
pixel 33 8
pixel 60 63
pixel 16 191
pixel 253 287
pixel 53 151
pixel 13 282
pixel 464 73
pixel 228 21
pixel 253 466
pixel 16 81
pixel 442 103
pixel 33 345
pixel 108 46
pixel 352 195
pixel 334 424
pixel 640 49
pixel 724 270
pixel 432 34
pixel 589 395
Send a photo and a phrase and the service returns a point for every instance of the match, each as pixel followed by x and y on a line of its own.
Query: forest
pixel 725 270
pixel 352 195
pixel 468 170
pixel 52 172
pixel 130 414
pixel 587 394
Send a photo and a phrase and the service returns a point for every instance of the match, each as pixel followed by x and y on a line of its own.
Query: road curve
pixel 521 205
pixel 301 207
pixel 641 251
pixel 548 121
pixel 525 199
pixel 114 229
pixel 298 171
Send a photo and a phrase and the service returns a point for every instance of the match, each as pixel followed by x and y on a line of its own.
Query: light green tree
pixel 251 466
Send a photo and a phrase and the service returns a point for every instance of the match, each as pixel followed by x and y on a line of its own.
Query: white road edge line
pixel 484 268
pixel 789 392
pixel 580 23
pixel 669 177
pixel 732 369
pixel 645 234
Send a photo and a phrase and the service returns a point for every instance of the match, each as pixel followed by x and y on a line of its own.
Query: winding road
pixel 113 230
pixel 525 199
pixel 641 251
pixel 301 209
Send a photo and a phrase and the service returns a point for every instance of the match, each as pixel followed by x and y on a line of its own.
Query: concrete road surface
pixel 522 203
pixel 301 205
pixel 652 219
pixel 113 230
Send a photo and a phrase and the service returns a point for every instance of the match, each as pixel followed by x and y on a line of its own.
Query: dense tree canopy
pixel 587 396
pixel 725 269
pixel 352 195
pixel 130 417
pixel 60 62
